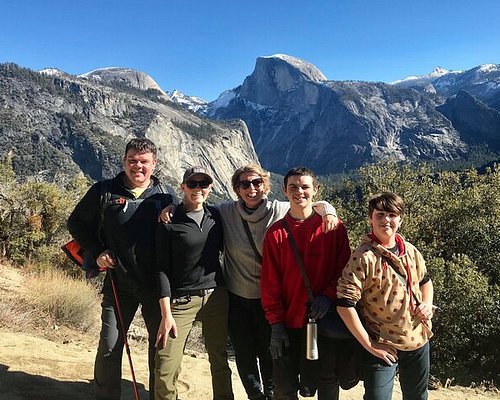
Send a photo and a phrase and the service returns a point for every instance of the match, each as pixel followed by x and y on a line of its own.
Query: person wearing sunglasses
pixel 190 282
pixel 248 328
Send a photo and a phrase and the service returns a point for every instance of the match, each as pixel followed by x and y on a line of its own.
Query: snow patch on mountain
pixel 223 100
pixel 193 103
pixel 422 80
pixel 257 107
pixel 52 72
pixel 488 68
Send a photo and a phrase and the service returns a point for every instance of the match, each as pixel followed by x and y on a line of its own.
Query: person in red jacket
pixel 285 298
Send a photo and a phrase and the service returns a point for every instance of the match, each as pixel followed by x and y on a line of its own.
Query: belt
pixel 194 292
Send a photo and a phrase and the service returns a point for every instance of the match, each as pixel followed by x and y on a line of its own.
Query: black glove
pixel 319 307
pixel 279 337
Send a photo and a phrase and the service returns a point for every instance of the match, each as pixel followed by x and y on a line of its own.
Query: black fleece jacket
pixel 187 256
pixel 127 228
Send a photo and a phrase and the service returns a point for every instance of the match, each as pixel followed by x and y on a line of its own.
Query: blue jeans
pixel 250 334
pixel 413 375
pixel 293 372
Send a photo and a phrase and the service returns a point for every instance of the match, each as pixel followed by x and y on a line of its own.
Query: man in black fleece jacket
pixel 115 224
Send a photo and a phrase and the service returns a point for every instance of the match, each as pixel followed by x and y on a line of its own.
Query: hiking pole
pixel 122 326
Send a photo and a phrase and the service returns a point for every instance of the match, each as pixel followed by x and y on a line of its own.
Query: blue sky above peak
pixel 205 47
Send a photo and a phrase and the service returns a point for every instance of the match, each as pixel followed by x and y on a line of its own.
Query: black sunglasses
pixel 200 184
pixel 255 182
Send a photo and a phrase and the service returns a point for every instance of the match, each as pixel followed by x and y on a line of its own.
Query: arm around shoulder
pixel 324 208
pixel 329 215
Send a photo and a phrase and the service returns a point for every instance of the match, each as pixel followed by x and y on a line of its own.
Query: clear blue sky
pixel 204 47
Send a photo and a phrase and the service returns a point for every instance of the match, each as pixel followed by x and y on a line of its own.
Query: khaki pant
pixel 211 310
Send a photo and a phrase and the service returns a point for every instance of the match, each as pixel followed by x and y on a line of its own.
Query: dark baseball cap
pixel 197 170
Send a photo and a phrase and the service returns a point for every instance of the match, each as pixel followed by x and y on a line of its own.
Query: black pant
pixel 293 372
pixel 108 362
pixel 250 334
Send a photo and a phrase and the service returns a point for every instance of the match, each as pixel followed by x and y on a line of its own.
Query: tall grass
pixel 15 315
pixel 68 301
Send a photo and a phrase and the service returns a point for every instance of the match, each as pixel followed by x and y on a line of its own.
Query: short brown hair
pixel 386 201
pixel 141 145
pixel 250 168
pixel 301 171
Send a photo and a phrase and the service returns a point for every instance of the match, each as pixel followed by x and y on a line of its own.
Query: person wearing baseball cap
pixel 196 172
pixel 190 281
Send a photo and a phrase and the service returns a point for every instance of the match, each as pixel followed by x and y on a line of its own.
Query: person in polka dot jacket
pixel 385 298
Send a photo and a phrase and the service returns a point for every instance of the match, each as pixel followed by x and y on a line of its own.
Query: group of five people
pixel 166 258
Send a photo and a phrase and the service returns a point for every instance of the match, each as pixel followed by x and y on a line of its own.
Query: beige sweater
pixel 383 300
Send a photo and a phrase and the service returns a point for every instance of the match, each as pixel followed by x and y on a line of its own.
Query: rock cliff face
pixel 476 122
pixel 56 123
pixel 60 124
pixel 127 76
pixel 297 117
pixel 274 76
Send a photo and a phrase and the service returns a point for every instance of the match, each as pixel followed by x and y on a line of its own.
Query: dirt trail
pixel 36 368
pixel 57 364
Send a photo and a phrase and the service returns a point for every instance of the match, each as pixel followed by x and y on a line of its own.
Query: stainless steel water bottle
pixel 312 340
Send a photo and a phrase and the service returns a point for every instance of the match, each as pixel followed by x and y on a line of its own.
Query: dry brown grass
pixel 65 300
pixel 15 315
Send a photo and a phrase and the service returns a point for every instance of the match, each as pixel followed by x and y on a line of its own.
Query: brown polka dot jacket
pixel 384 301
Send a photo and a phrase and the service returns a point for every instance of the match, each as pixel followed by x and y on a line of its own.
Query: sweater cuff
pixel 345 303
pixel 164 286
pixel 324 208
pixel 424 280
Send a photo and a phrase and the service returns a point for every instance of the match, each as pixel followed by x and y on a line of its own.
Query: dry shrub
pixel 68 301
pixel 15 315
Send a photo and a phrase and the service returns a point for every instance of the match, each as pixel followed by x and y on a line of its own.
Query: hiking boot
pixel 269 395
pixel 307 392
pixel 260 397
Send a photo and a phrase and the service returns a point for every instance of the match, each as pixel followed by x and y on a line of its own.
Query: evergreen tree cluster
pixel 33 215
pixel 203 131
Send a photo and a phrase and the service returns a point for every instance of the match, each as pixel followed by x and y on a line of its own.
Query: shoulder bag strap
pixel 402 279
pixel 250 239
pixel 299 260
pixel 167 189
pixel 104 199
